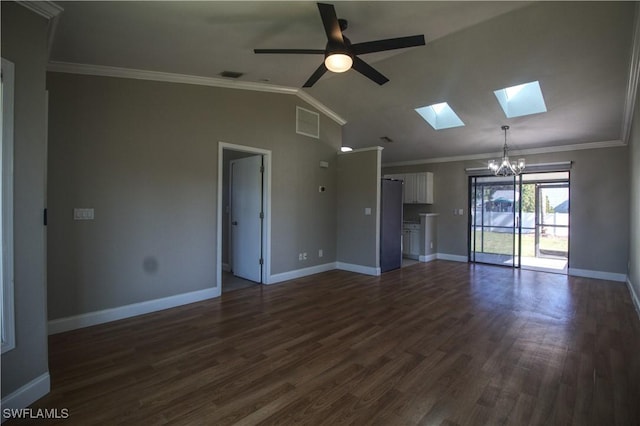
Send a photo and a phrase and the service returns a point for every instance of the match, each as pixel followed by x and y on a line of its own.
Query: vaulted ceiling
pixel 580 52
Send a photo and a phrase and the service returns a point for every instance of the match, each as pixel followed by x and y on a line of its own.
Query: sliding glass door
pixel 495 220
pixel 520 221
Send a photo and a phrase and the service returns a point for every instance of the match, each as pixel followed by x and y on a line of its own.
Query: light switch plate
pixel 83 214
pixel 367 211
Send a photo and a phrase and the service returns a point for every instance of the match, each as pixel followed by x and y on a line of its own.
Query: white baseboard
pixel 601 275
pixel 299 273
pixel 428 257
pixel 27 394
pixel 452 257
pixel 127 311
pixel 634 296
pixel 226 267
pixel 360 269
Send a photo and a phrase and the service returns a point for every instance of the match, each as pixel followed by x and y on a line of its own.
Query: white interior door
pixel 246 221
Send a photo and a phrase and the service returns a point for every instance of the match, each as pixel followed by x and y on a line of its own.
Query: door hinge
pixel 261 169
pixel 44 217
pixel 261 261
pixel 261 215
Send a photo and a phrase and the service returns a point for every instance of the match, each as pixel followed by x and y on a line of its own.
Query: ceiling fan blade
pixel 368 71
pixel 387 44
pixel 330 22
pixel 298 51
pixel 316 75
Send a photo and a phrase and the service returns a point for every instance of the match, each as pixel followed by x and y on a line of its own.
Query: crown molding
pixel 632 84
pixel 118 72
pixel 321 107
pixel 531 151
pixel 46 9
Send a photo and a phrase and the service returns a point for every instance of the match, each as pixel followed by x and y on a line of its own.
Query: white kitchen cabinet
pixel 424 188
pixel 417 188
pixel 411 241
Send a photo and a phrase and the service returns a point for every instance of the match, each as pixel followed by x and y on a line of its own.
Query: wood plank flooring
pixel 441 343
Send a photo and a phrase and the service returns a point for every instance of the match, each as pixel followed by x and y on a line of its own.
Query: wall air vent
pixel 307 123
pixel 231 74
pixel 386 139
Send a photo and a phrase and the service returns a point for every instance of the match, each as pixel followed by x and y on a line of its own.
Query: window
pixel 523 99
pixel 6 208
pixel 440 116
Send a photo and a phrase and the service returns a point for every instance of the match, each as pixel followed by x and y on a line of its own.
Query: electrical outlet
pixel 320 253
pixel 304 256
pixel 431 244
pixel 299 256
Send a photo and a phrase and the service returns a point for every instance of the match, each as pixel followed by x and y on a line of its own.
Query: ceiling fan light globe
pixel 338 62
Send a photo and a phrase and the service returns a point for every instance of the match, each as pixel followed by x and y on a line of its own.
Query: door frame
pixel 266 228
pixel 516 252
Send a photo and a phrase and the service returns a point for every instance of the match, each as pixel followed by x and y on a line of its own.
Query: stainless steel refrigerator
pixel 390 224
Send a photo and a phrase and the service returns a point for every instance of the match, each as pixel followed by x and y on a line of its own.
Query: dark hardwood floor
pixel 441 343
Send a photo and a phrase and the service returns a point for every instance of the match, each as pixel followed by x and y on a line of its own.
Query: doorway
pixel 520 221
pixel 243 216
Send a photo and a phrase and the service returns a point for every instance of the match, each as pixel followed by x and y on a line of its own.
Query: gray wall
pixel 143 154
pixel 634 202
pixel 24 41
pixel 359 185
pixel 599 238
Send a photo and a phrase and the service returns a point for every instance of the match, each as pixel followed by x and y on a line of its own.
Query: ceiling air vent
pixel 231 74
pixel 307 123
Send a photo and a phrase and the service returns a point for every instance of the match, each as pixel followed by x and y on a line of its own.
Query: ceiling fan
pixel 340 55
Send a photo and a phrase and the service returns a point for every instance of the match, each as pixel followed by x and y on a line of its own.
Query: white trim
pixel 321 107
pixel 46 9
pixel 634 296
pixel 427 258
pixel 601 275
pixel 27 394
pixel 299 273
pixel 266 237
pixel 452 257
pixel 107 315
pixel 360 269
pixel 6 216
pixel 532 151
pixel 378 206
pixel 118 72
pixel 632 84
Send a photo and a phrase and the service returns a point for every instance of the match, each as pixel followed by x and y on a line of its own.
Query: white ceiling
pixel 580 52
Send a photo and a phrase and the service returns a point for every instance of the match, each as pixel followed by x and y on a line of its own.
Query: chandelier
pixel 504 167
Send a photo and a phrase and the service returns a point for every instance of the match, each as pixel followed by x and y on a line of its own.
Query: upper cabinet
pixel 418 187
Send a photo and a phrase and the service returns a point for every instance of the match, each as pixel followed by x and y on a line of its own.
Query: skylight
pixel 440 116
pixel 523 99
